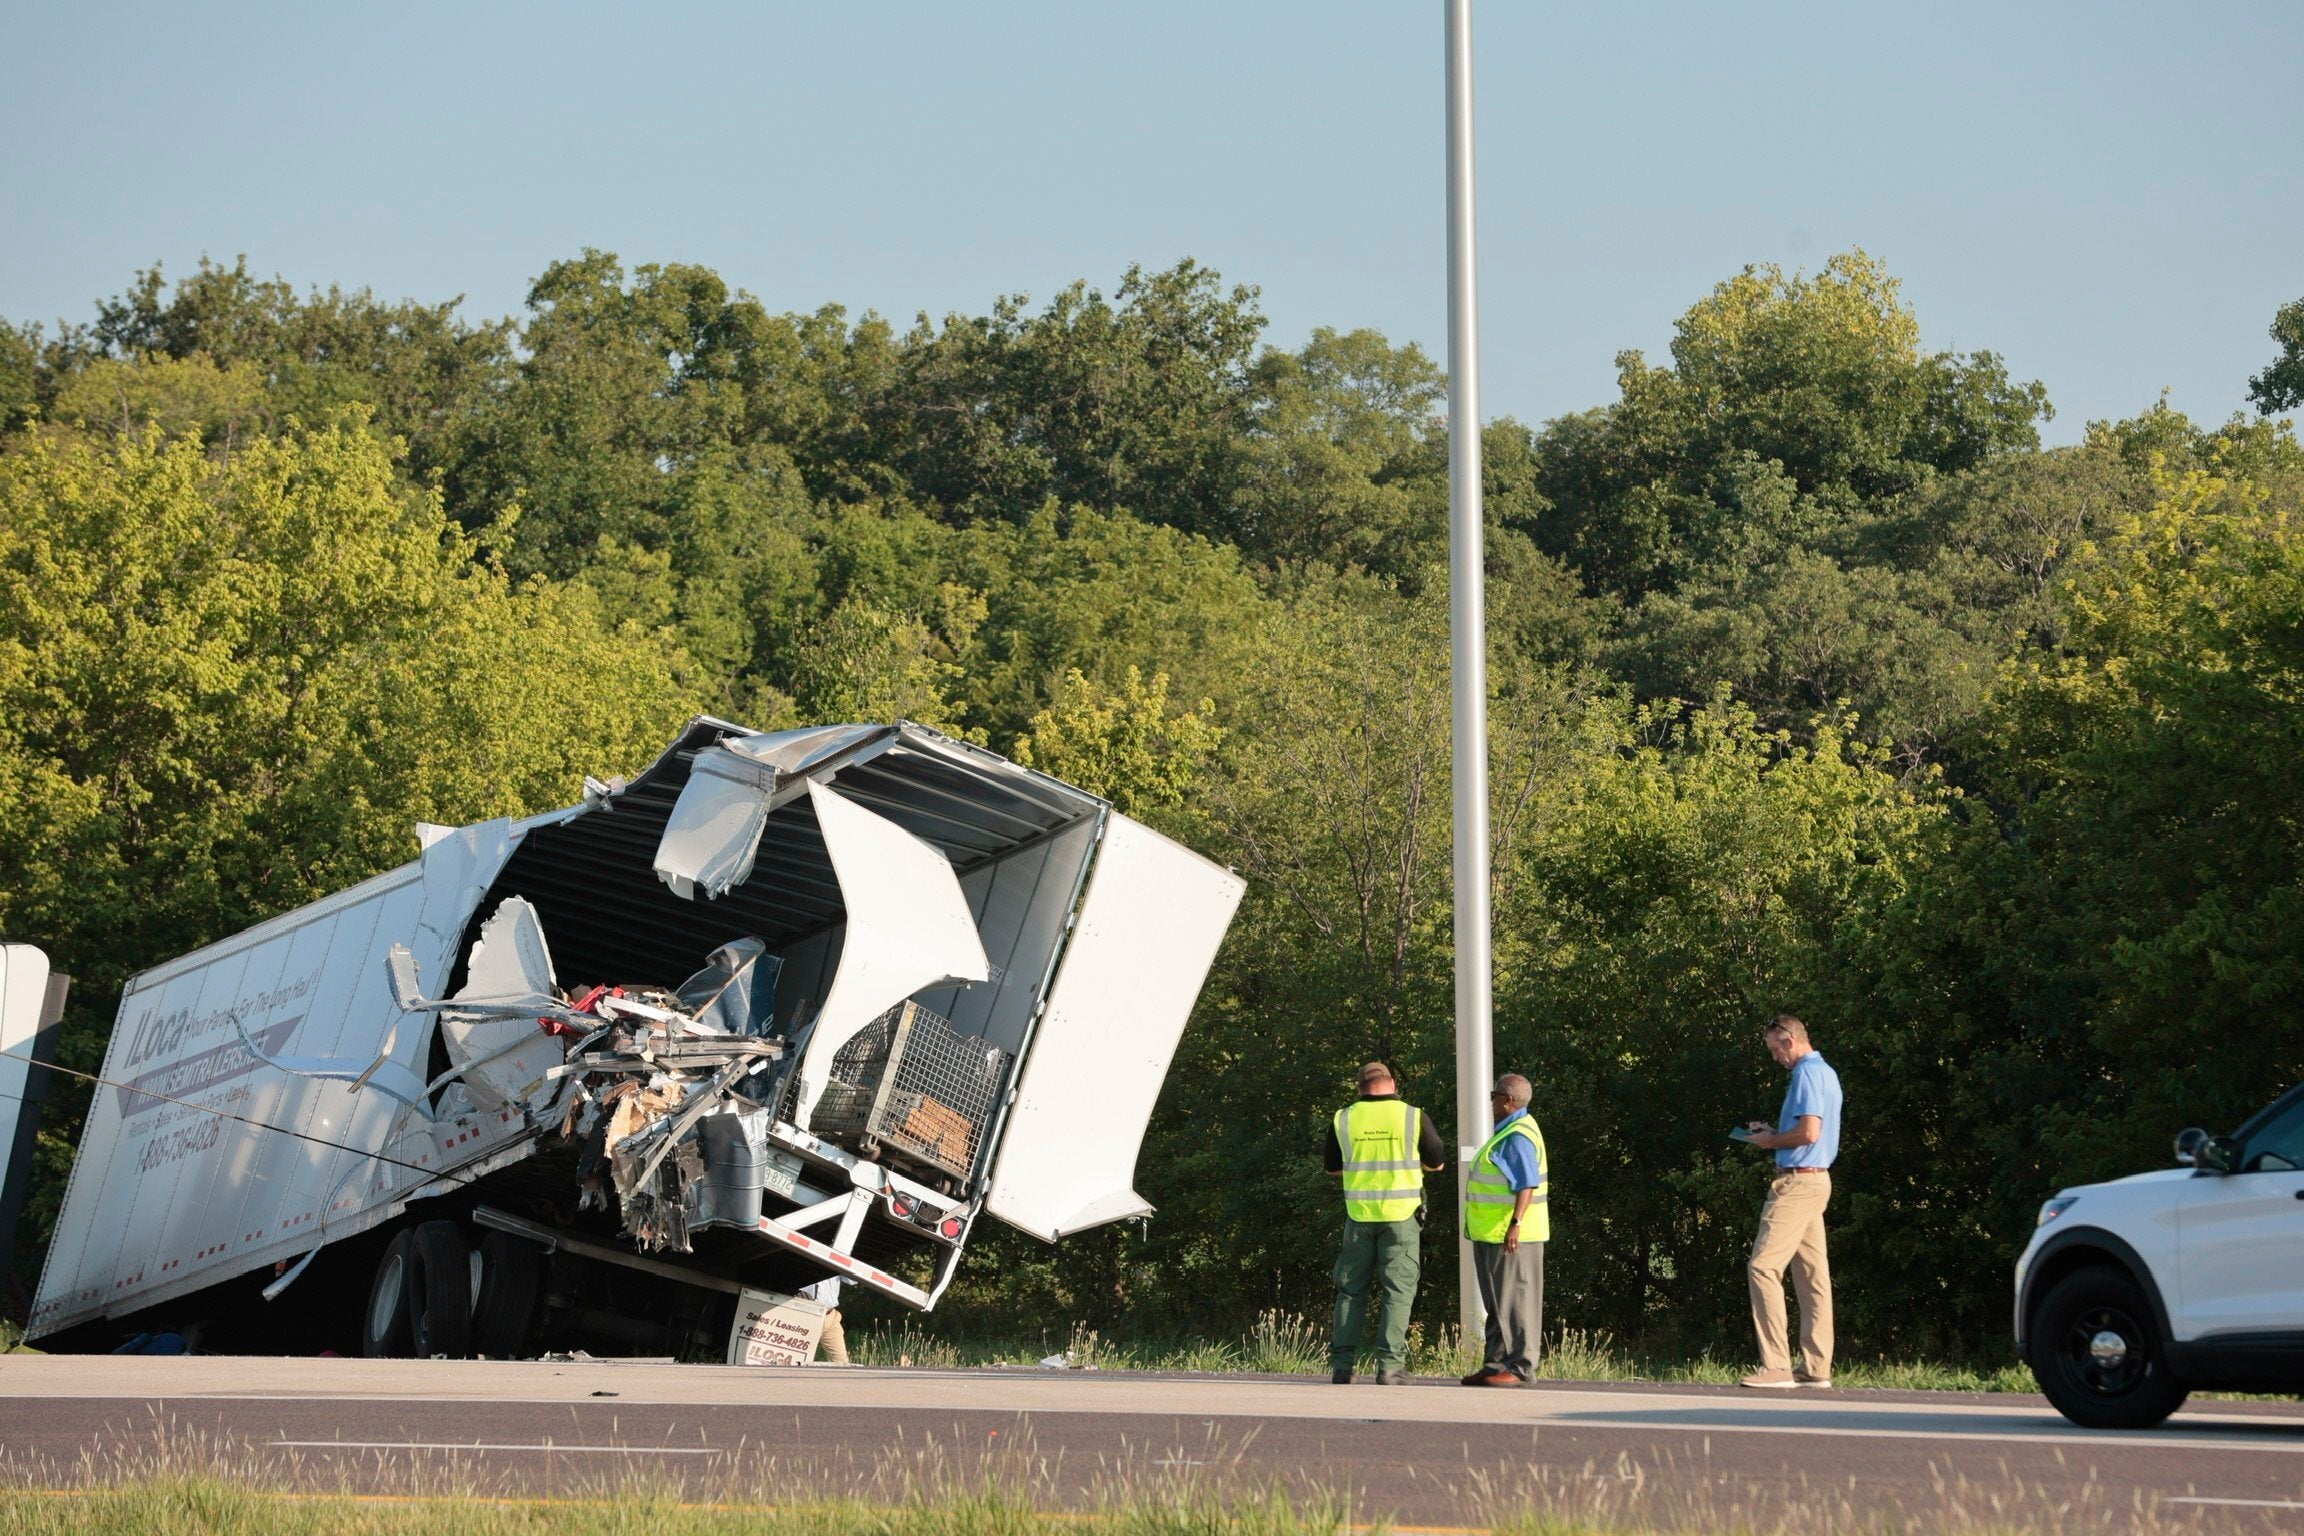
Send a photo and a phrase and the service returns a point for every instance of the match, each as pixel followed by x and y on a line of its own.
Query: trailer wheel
pixel 511 1277
pixel 384 1333
pixel 440 1292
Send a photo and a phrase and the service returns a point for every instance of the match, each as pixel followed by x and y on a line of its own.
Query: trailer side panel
pixel 199 1162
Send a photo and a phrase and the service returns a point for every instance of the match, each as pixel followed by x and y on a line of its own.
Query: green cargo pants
pixel 1386 1254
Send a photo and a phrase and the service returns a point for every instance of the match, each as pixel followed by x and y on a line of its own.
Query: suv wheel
pixel 2097 1356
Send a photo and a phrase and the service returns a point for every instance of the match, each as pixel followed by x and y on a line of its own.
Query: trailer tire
pixel 384 1328
pixel 440 1292
pixel 511 1278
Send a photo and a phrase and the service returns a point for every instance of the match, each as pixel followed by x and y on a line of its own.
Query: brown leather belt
pixel 1803 1170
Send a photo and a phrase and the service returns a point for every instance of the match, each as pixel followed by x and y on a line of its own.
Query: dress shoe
pixel 1486 1378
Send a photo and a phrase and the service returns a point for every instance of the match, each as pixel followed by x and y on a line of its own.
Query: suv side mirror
pixel 2188 1143
pixel 2218 1154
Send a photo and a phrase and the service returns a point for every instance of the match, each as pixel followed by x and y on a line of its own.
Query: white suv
pixel 2134 1293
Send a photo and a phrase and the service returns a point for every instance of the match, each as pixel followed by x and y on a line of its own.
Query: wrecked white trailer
pixel 786 1007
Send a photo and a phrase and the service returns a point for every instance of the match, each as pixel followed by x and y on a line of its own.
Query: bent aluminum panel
pixel 23 1009
pixel 167 1196
pixel 713 838
pixel 908 928
pixel 712 841
pixel 1148 930
pixel 510 965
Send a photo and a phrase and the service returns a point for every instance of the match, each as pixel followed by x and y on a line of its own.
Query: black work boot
pixel 1341 1376
pixel 1390 1376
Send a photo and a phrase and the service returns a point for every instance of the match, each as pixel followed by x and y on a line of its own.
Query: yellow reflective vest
pixel 1383 1178
pixel 1489 1196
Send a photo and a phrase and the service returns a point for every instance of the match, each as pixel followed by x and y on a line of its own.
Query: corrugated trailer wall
pixel 166 1198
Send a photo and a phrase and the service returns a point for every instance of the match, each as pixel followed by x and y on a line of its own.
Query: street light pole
pixel 1468 634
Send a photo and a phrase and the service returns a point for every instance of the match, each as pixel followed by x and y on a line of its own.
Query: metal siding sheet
pixel 1022 904
pixel 157 1202
pixel 1149 928
pixel 908 929
pixel 23 998
pixel 998 896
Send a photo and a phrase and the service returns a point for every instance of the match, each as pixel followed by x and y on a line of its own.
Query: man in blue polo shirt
pixel 1805 1139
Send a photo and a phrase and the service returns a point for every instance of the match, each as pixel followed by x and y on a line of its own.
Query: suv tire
pixel 2094 1350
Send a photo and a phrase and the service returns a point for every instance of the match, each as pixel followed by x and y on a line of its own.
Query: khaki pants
pixel 1792 1237
pixel 1512 1294
pixel 832 1343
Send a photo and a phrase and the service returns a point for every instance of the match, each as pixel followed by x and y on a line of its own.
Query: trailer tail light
pixel 950 1227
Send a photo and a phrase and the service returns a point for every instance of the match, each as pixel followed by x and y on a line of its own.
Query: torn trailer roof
pixel 787 1006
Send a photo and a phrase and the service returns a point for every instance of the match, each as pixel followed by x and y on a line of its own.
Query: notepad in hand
pixel 1739 1134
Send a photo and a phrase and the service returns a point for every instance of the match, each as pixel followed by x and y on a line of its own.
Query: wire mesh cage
pixel 911 1084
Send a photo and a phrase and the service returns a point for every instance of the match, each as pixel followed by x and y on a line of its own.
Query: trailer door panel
pixel 1148 929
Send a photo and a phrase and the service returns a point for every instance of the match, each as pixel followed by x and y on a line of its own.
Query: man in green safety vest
pixel 1508 1220
pixel 1381 1148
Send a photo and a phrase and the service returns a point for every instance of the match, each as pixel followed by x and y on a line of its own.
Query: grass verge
pixel 214 1506
pixel 1288 1344
pixel 177 1483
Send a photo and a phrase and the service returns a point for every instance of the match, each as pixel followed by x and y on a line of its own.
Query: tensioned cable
pixel 210 1109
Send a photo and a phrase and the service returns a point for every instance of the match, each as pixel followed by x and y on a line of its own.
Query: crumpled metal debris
pixel 646 1075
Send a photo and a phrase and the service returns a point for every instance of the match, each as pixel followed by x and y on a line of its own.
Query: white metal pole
pixel 1468 631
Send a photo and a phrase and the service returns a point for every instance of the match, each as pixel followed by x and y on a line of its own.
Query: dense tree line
pixel 1819 684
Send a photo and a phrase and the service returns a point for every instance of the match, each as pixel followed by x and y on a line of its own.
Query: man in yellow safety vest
pixel 1508 1220
pixel 1381 1148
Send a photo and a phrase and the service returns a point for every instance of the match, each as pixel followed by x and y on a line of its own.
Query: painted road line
pixel 1639 1413
pixel 2099 1441
pixel 462 1445
pixel 1621 1425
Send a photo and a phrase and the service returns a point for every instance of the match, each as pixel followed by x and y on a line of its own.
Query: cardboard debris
pixel 775 1329
pixel 939 1132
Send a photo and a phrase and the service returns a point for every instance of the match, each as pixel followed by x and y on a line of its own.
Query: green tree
pixel 1123 743
pixel 1099 593
pixel 1347 460
pixel 228 687
pixel 420 369
pixel 2280 387
pixel 1792 405
pixel 19 374
pixel 1135 401
pixel 2160 862
pixel 177 397
pixel 1678 882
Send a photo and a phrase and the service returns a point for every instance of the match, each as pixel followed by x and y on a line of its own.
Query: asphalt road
pixel 1426 1454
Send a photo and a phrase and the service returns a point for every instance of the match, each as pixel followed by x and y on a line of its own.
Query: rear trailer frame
pixel 887 1039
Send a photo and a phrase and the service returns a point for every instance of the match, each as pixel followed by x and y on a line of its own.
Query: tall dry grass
pixel 174 1482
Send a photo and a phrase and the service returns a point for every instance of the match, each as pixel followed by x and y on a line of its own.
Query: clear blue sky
pixel 2108 194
